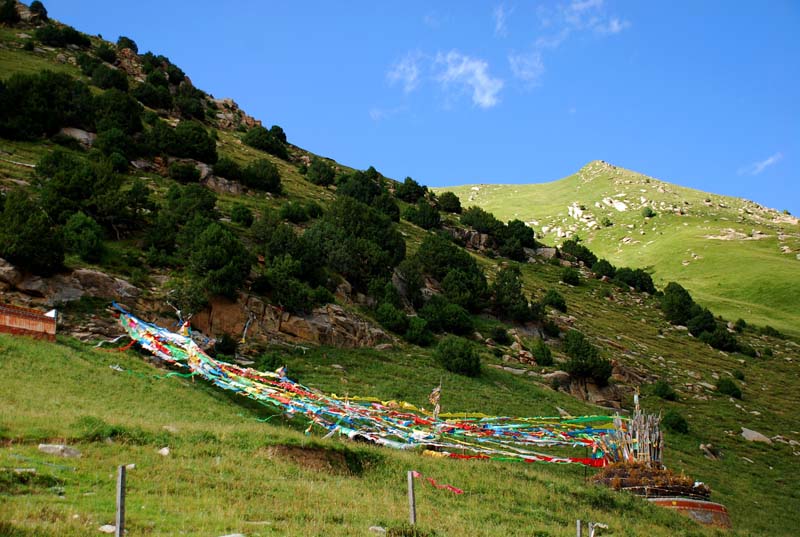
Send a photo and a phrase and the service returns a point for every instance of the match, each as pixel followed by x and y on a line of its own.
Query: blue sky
pixel 704 94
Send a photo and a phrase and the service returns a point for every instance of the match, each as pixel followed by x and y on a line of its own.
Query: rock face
pixel 471 239
pixel 65 287
pixel 84 137
pixel 230 116
pixel 129 62
pixel 220 185
pixel 327 325
pixel 607 396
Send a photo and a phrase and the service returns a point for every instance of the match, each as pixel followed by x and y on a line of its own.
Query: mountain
pixel 736 257
pixel 278 260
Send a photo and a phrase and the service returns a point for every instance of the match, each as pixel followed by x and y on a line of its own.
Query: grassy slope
pixel 751 279
pixel 222 476
pixel 44 391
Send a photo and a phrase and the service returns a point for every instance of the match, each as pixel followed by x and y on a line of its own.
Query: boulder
pixel 220 185
pixel 547 253
pixel 60 450
pixel 9 274
pixel 754 436
pixel 84 137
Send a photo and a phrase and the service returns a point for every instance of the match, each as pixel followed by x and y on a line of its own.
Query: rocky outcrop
pixel 607 396
pixel 129 62
pixel 66 287
pixel 84 137
pixel 230 117
pixel 471 239
pixel 220 185
pixel 327 325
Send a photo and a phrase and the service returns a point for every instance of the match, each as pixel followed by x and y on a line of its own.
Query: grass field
pixel 229 473
pixel 748 269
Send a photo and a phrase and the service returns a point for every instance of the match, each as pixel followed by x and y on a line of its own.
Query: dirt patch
pixel 320 459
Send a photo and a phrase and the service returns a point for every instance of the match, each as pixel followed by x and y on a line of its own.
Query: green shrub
pixel 574 249
pixel 8 12
pixel 443 316
pixel 606 222
pixel 294 212
pixel 550 328
pixel 663 390
pixel 585 360
pixel 675 422
pixel 392 318
pixel 262 175
pixel 740 325
pixel 37 8
pixel 106 53
pixel 553 298
pixel 84 237
pixel 481 220
pixel 320 172
pixel 458 356
pixel 702 322
pixel 677 304
pixel 219 261
pixel 40 104
pixel 153 96
pixel 193 141
pixel 228 168
pixel 542 353
pixel 767 352
pixel 604 268
pixel 106 78
pixel 184 172
pixel 423 214
pixel 117 109
pixel 449 203
pixel 242 215
pixel 571 276
pixel 648 212
pixel 772 332
pixel 500 335
pixel 27 236
pixel 720 339
pixel 418 332
pixel 54 36
pixel 726 386
pixel 636 278
pixel 265 140
pixel 113 141
pixel 738 374
pixel 127 42
pixel 410 191
pixel 508 299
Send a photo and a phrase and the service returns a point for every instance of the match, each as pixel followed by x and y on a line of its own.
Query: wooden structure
pixel 28 322
pixel 704 512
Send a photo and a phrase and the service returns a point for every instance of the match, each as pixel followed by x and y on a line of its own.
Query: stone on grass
pixel 754 436
pixel 164 451
pixel 59 449
pixel 107 528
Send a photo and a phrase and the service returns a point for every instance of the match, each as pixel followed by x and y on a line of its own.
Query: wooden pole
pixel 579 528
pixel 119 527
pixel 412 504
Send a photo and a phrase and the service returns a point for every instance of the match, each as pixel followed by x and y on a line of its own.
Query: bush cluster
pixel 458 356
pixel 585 360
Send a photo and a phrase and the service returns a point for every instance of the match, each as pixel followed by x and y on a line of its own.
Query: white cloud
pixel 473 73
pixel 406 72
pixel 528 67
pixel 431 20
pixel 757 167
pixel 500 15
pixel 379 114
pixel 613 26
pixel 564 21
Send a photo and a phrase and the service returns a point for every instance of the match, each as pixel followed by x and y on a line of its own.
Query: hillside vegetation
pixel 735 256
pixel 195 206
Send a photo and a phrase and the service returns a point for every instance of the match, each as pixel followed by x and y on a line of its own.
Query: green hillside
pixel 273 227
pixel 736 257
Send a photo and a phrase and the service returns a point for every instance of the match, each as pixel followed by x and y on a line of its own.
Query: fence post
pixel 119 527
pixel 579 528
pixel 412 505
